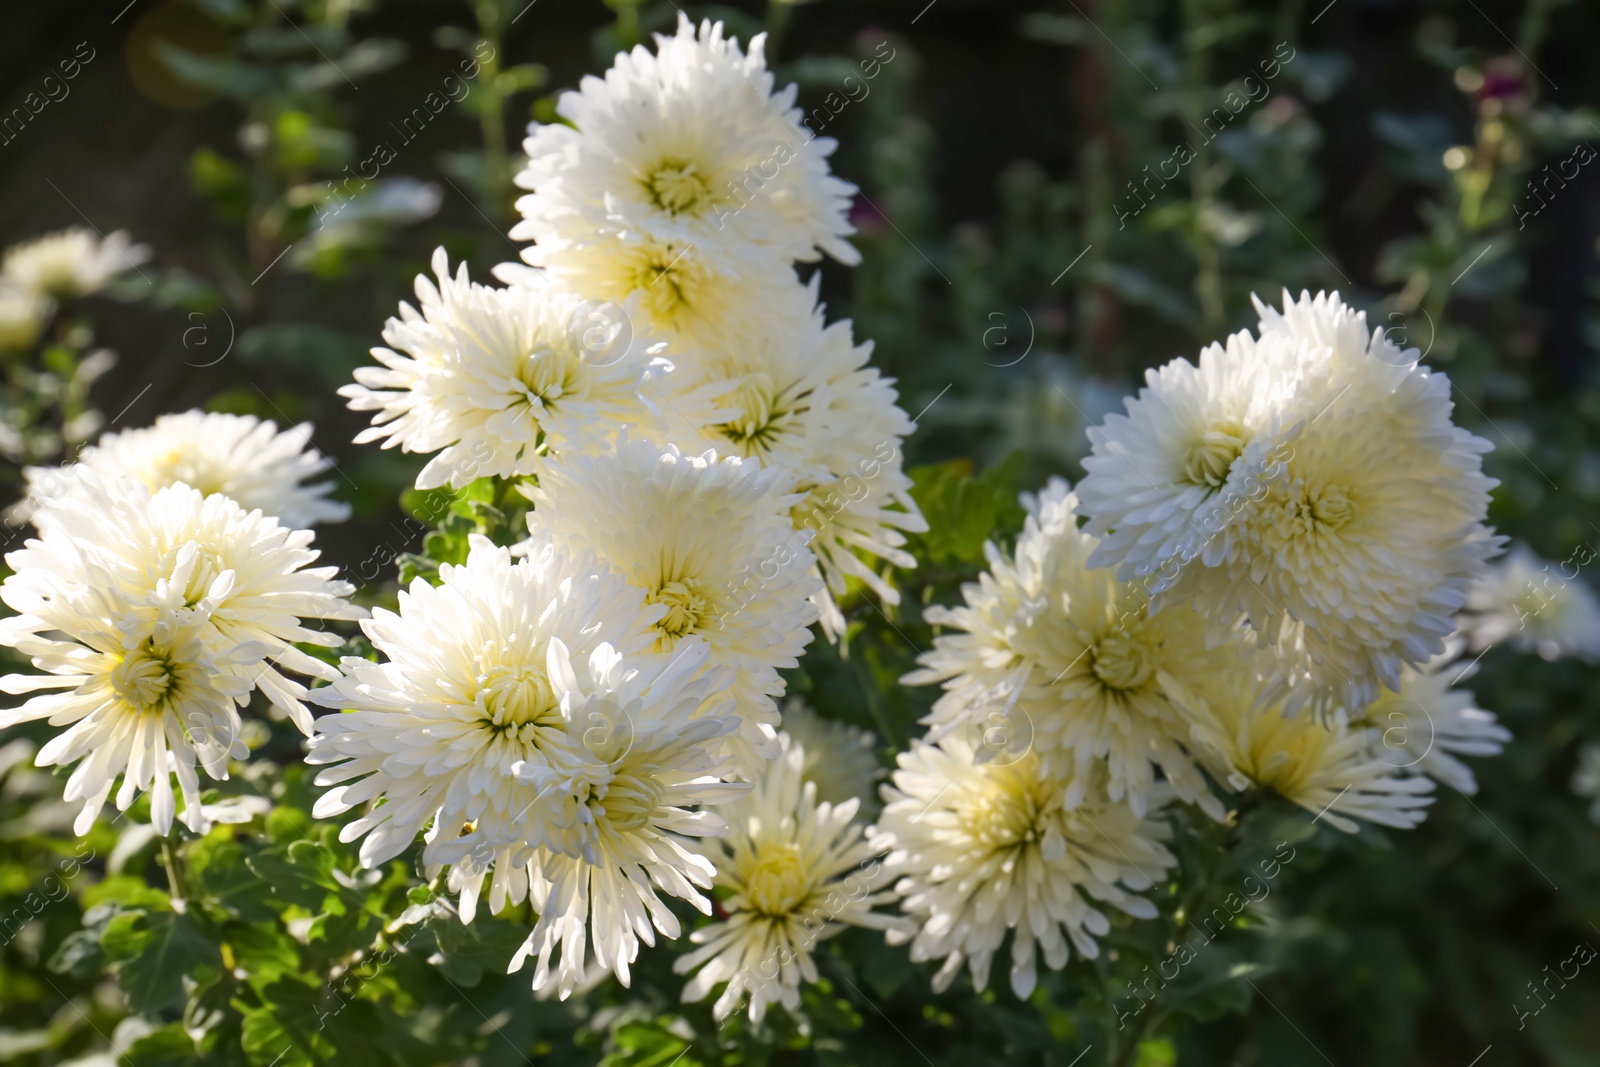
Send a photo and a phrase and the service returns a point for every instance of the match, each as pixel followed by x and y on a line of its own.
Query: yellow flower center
pixel 630 801
pixel 779 881
pixel 1285 754
pixel 1123 660
pixel 1299 511
pixel 764 411
pixel 180 464
pixel 1331 506
pixel 687 607
pixel 1008 815
pixel 208 566
pixel 513 695
pixel 1208 459
pixel 144 679
pixel 669 279
pixel 678 187
pixel 545 376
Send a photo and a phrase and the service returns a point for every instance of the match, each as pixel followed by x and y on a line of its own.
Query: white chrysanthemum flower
pixel 839 758
pixel 1586 779
pixel 1424 726
pixel 632 799
pixel 493 379
pixel 710 541
pixel 23 314
pixel 691 146
pixel 72 262
pixel 1324 765
pixel 465 692
pixel 1165 481
pixel 1352 562
pixel 797 871
pixel 1521 600
pixel 149 697
pixel 245 578
pixel 802 396
pixel 983 847
pixel 239 456
pixel 1065 659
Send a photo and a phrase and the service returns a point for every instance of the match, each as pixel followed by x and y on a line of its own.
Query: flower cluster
pixel 684 190
pixel 1292 524
pixel 153 606
pixel 712 468
pixel 1265 583
pixel 1309 479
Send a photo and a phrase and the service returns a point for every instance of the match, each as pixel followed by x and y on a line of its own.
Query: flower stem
pixel 175 884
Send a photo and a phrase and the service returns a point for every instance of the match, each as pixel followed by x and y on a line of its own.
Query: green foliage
pixel 963 509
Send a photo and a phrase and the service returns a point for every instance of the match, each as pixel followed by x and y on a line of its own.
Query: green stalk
pixel 491 115
pixel 175 884
pixel 778 12
pixel 1206 178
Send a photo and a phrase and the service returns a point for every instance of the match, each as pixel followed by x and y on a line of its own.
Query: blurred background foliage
pixel 1055 196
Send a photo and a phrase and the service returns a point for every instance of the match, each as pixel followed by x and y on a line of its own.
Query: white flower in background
pixel 464 694
pixel 1586 779
pixel 1324 765
pixel 803 397
pixel 984 847
pixel 246 580
pixel 839 758
pixel 23 314
pixel 492 379
pixel 1424 726
pixel 1067 660
pixel 632 800
pixel 709 541
pixel 689 145
pixel 239 456
pixel 1352 562
pixel 1522 600
pixel 71 262
pixel 1165 481
pixel 797 871
pixel 146 698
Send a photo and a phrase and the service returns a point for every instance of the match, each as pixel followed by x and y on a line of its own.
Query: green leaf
pixel 650 1044
pixel 169 1046
pixel 264 951
pixel 220 874
pixel 79 955
pixel 964 510
pixel 300 873
pixel 1161 1053
pixel 158 950
pixel 466 953
pixel 221 181
pixel 126 891
pixel 266 1041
